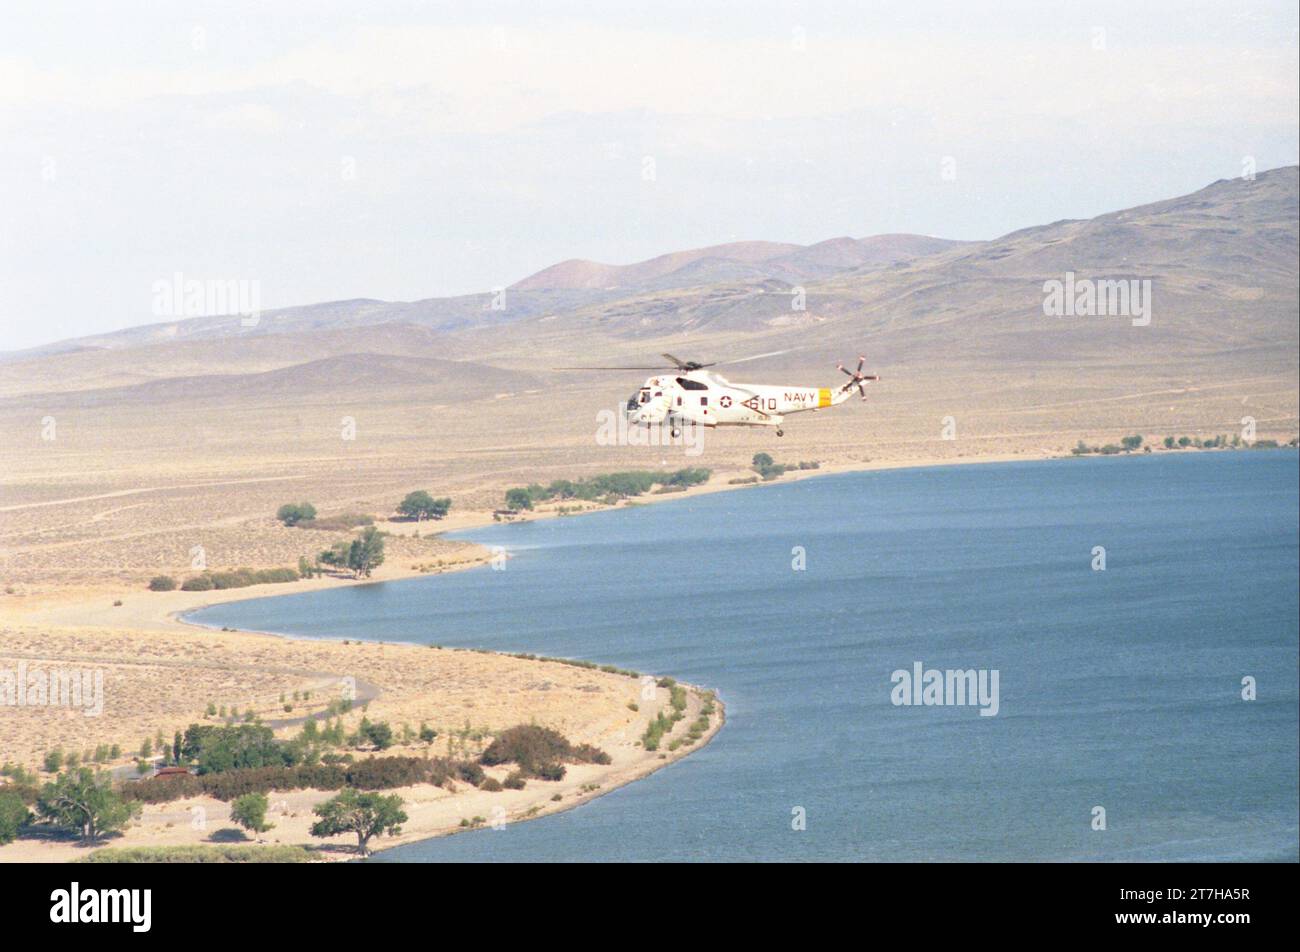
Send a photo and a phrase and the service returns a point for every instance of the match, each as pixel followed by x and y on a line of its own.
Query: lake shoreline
pixel 174 620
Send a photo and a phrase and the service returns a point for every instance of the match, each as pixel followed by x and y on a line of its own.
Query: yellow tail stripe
pixel 823 397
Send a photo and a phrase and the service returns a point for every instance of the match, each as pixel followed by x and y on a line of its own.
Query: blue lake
pixel 1119 688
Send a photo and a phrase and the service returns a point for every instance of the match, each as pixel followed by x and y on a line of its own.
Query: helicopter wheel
pixel 675 432
pixel 780 432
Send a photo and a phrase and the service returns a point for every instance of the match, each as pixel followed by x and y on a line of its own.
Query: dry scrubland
pixel 164 681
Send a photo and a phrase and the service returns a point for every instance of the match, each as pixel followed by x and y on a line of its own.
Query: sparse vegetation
pixel 608 488
pixel 361 556
pixel 292 513
pixel 419 505
pixel 233 853
pixel 768 469
pixel 162 583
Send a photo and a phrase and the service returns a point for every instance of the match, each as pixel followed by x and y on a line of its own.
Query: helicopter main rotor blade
pixel 741 360
pixel 686 365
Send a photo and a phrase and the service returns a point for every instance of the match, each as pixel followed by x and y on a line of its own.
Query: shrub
pixel 201 854
pixel 550 772
pixel 527 745
pixel 197 583
pixel 587 754
pixel 383 773
pixel 518 499
pixel 14 815
pixel 292 513
pixel 244 577
pixel 470 772
pixel 162 583
pixel 515 781
pixel 163 789
pixel 491 785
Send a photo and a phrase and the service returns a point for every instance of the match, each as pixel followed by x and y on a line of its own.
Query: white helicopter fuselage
pixel 709 399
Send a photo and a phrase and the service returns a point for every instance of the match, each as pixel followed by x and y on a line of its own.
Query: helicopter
pixel 688 393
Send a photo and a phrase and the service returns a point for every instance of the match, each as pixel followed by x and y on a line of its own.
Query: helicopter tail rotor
pixel 857 378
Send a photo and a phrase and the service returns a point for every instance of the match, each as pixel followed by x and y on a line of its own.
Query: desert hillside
pixel 124 451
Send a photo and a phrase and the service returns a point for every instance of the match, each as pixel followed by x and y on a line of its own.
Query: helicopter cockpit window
pixel 637 398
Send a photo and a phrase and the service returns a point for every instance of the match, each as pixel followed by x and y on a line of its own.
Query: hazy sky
pixel 400 151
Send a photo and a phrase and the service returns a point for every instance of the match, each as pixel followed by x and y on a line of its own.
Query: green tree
pixel 14 815
pixel 336 555
pixel 761 461
pixel 249 811
pixel 419 506
pixel 84 801
pixel 518 499
pixel 366 552
pixel 364 814
pixel 53 760
pixel 1131 443
pixel 216 748
pixel 292 513
pixel 379 734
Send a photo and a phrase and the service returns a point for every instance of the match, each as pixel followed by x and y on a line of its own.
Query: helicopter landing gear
pixel 780 432
pixel 676 432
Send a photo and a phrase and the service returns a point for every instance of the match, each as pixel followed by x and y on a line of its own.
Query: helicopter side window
pixel 687 384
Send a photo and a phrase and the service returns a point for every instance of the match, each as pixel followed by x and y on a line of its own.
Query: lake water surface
pixel 1118 688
